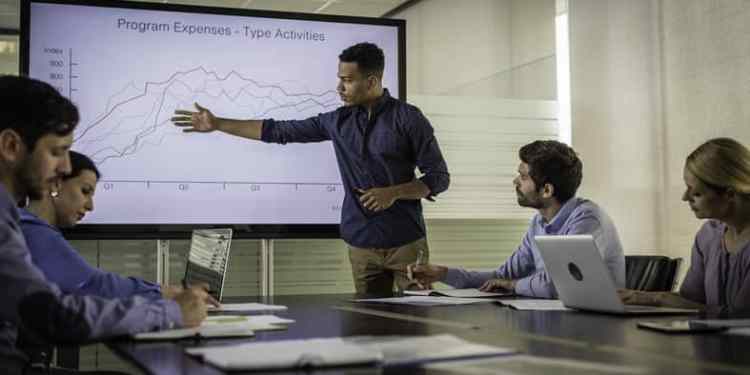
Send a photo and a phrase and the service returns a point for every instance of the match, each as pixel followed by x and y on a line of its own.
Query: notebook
pixel 582 279
pixel 208 259
pixel 458 293
pixel 220 326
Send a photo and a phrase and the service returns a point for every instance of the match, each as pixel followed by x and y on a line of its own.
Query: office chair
pixel 651 272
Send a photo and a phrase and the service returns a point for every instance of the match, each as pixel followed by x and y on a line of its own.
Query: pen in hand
pixel 209 298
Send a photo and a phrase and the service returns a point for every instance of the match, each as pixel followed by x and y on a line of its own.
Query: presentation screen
pixel 128 66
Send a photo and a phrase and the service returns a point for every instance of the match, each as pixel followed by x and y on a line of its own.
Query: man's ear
pixel 12 147
pixel 372 81
pixel 548 191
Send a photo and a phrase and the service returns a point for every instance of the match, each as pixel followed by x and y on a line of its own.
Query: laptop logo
pixel 575 271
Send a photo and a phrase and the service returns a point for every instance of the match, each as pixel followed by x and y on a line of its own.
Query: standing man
pixel 548 177
pixel 36 132
pixel 378 141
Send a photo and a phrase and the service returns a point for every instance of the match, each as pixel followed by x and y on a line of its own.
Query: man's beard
pixel 525 201
pixel 28 184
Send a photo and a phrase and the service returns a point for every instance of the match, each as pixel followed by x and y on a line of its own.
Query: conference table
pixel 602 339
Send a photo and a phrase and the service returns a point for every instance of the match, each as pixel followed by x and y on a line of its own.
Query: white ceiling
pixel 9 9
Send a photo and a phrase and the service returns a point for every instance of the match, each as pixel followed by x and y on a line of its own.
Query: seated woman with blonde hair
pixel 717 179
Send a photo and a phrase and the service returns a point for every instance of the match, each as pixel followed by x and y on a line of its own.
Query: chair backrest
pixel 651 272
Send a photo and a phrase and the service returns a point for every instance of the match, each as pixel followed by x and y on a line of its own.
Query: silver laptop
pixel 582 279
pixel 208 259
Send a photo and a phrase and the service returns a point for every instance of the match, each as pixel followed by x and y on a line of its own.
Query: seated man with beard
pixel 548 177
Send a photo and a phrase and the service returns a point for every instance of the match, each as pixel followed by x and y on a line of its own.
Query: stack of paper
pixel 221 326
pixel 246 307
pixel 424 300
pixel 536 304
pixel 460 293
pixel 340 351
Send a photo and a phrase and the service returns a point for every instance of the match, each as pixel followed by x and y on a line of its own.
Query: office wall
pixel 650 81
pixel 706 91
pixel 502 49
pixel 615 114
pixel 8 54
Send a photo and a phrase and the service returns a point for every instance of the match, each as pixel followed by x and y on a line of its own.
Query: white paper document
pixel 723 322
pixel 246 307
pixel 460 293
pixel 526 364
pixel 221 326
pixel 424 300
pixel 343 351
pixel 422 349
pixel 536 304
pixel 287 354
pixel 738 331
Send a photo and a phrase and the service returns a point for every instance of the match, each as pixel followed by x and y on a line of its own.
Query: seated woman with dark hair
pixel 53 254
pixel 717 179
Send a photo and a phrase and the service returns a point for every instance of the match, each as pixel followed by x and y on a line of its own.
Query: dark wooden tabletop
pixel 593 337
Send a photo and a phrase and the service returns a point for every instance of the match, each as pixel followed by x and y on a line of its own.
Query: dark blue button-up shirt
pixel 376 152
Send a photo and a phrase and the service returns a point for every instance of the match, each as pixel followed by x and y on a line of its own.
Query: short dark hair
pixel 34 109
pixel 368 56
pixel 79 163
pixel 555 163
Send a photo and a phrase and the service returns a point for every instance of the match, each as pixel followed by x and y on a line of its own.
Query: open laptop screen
pixel 208 259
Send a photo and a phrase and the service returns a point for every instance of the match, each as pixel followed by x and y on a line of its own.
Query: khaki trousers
pixel 376 271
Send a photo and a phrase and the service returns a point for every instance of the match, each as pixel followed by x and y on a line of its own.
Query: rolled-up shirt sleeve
pixel 519 264
pixel 537 285
pixel 429 158
pixel 296 131
pixel 461 278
